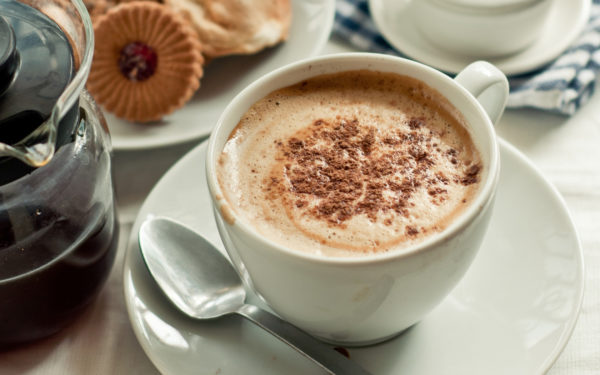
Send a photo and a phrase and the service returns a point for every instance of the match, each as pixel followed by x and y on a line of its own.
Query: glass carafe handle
pixel 37 149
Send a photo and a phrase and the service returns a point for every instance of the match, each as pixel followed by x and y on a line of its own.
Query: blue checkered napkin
pixel 562 86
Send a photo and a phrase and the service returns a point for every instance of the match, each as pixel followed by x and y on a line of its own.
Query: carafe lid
pixel 45 56
pixel 8 55
pixel 39 77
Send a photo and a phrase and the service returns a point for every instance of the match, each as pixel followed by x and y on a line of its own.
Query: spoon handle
pixel 323 355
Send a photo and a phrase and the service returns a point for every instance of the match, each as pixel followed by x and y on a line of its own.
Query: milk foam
pixel 350 163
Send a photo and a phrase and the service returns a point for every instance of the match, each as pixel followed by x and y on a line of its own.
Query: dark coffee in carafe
pixel 58 226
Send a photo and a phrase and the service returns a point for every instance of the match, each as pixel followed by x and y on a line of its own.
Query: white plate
pixel 566 21
pixel 512 313
pixel 312 21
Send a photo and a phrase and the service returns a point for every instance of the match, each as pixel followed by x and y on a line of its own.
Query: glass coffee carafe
pixel 58 226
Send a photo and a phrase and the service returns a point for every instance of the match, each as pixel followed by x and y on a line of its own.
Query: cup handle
pixel 488 85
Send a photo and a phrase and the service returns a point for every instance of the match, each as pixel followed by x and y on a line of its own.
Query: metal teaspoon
pixel 203 284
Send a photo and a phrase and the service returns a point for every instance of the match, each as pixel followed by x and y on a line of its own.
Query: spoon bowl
pixel 202 283
pixel 190 271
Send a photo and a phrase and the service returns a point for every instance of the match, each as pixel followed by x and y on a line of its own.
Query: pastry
pixel 228 27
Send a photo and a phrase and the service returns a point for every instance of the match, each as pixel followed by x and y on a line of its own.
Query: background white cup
pixel 367 299
pixel 481 29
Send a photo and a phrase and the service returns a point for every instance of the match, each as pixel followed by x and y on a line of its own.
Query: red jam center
pixel 137 61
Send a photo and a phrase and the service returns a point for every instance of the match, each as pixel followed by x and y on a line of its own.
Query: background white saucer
pixel 223 78
pixel 513 312
pixel 566 21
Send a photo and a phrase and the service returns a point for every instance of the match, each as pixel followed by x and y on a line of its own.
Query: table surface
pixel 565 149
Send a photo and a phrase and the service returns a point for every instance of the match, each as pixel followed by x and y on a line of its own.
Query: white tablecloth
pixel 567 150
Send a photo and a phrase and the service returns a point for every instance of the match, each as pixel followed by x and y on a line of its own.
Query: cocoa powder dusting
pixel 411 231
pixel 351 170
pixel 346 168
pixel 471 175
pixel 416 123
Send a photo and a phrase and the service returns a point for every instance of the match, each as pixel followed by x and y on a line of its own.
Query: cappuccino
pixel 350 163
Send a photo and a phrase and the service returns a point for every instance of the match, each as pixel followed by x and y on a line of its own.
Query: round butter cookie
pixel 96 8
pixel 227 27
pixel 146 61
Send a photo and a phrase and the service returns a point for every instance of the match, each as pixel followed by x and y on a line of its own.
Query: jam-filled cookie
pixel 146 61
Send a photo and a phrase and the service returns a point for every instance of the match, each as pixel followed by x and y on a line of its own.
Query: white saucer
pixel 512 313
pixel 223 78
pixel 566 21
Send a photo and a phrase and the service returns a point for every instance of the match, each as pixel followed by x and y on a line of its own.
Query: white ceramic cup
pixel 366 299
pixel 481 29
